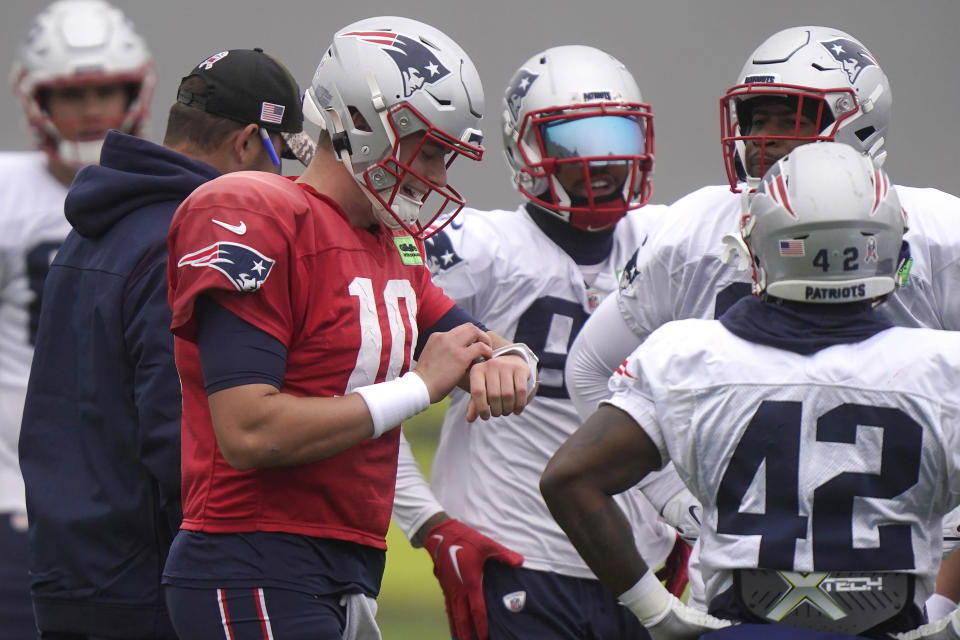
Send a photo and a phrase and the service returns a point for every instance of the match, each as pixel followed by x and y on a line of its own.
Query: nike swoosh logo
pixel 454 548
pixel 693 513
pixel 238 229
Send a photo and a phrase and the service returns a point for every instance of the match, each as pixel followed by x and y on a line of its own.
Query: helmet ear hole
pixel 359 122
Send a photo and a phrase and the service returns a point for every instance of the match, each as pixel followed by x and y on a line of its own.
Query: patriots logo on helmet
pixel 245 267
pixel 417 64
pixel 851 56
pixel 517 91
pixel 440 253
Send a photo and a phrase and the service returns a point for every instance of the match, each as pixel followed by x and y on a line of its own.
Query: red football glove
pixel 459 554
pixel 674 569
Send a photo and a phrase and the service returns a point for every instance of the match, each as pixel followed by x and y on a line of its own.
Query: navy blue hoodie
pixel 100 440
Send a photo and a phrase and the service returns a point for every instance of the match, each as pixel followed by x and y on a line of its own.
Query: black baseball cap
pixel 250 86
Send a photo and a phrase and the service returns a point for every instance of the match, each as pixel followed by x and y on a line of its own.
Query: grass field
pixel 410 602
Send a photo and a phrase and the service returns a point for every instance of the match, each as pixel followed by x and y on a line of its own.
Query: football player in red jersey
pixel 299 308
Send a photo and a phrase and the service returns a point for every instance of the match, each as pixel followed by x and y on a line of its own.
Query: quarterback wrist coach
pixel 390 403
pixel 522 350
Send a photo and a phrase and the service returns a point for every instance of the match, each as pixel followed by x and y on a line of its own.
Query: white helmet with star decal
pixel 386 78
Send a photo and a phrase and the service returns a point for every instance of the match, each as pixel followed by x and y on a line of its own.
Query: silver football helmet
pixel 574 115
pixel 403 77
pixel 825 226
pixel 81 43
pixel 825 75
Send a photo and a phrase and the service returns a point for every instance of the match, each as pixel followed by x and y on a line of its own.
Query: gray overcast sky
pixel 684 54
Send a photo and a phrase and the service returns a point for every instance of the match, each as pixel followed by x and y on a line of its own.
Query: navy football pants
pixel 254 614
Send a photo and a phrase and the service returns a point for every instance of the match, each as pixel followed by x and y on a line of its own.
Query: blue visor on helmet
pixel 594 136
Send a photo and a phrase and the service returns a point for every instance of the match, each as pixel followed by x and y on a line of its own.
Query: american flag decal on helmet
pixel 245 267
pixel 417 64
pixel 792 248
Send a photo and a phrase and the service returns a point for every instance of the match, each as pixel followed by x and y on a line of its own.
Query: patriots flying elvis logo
pixel 440 253
pixel 209 62
pixel 417 64
pixel 851 56
pixel 629 273
pixel 246 268
pixel 517 91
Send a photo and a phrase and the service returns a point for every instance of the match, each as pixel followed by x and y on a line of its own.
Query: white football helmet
pixel 576 110
pixel 825 226
pixel 81 43
pixel 403 77
pixel 826 75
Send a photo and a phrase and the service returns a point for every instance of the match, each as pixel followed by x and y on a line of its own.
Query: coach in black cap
pixel 100 441
pixel 249 86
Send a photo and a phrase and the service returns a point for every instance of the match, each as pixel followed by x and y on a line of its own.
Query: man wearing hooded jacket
pixel 100 440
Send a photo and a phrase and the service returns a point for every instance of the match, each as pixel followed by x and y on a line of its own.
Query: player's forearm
pixel 415 508
pixel 598 530
pixel 259 427
pixel 420 536
pixel 602 344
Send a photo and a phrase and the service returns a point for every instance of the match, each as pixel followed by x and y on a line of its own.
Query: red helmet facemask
pixel 401 189
pixel 807 109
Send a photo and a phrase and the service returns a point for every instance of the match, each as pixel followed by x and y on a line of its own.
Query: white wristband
pixel 390 403
pixel 647 599
pixel 522 350
pixel 939 606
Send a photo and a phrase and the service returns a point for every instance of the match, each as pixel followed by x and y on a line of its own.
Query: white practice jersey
pixel 679 273
pixel 842 460
pixel 32 226
pixel 500 267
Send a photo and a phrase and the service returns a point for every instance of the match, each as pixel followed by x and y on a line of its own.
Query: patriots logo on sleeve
pixel 417 64
pixel 245 267
pixel 851 56
pixel 440 253
pixel 629 274
pixel 517 91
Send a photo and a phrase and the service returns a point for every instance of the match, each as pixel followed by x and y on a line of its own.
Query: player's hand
pixel 944 629
pixel 665 616
pixel 498 387
pixel 458 554
pixel 680 622
pixel 674 569
pixel 683 513
pixel 447 356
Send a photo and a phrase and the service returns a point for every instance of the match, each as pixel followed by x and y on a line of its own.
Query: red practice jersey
pixel 346 302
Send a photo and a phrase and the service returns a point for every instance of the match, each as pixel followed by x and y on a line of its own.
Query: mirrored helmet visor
pixel 593 137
